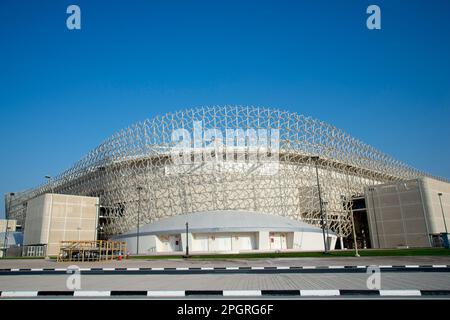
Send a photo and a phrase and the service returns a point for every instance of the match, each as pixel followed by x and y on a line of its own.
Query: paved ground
pixel 400 280
pixel 389 281
pixel 348 261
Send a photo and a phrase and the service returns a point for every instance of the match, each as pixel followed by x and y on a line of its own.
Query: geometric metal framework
pixel 142 156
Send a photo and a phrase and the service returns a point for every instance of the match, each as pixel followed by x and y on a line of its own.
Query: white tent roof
pixel 223 221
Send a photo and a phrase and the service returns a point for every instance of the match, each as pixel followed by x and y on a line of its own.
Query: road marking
pixel 207 268
pixel 157 269
pixel 400 293
pixel 92 293
pixel 283 268
pixel 309 267
pixel 411 266
pixel 182 269
pixel 232 268
pixel 132 269
pixel 239 293
pixel 257 268
pixel 386 266
pixel 439 266
pixel 19 294
pixel 336 267
pixel 37 269
pixel 165 294
pixel 321 293
pixel 109 269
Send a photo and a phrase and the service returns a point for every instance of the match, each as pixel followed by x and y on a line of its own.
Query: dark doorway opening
pixel 361 225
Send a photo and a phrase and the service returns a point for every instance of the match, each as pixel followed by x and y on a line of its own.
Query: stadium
pixel 238 178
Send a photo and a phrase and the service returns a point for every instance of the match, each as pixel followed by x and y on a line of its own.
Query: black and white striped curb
pixel 228 293
pixel 241 269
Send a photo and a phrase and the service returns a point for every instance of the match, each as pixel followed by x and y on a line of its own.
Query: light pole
pixel 49 181
pixel 139 189
pixel 5 240
pixel 442 210
pixel 445 237
pixel 325 209
pixel 316 159
pixel 187 239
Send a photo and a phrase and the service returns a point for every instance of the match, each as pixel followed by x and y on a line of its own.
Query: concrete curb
pixel 227 293
pixel 235 269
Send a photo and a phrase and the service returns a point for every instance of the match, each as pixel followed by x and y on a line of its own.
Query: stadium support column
pixel 354 233
pixel 316 159
pixel 372 190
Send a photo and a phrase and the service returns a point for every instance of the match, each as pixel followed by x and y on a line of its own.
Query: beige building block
pixel 52 218
pixel 12 224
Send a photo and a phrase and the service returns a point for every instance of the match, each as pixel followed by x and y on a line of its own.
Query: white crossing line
pixel 411 266
pixel 361 267
pixel 232 268
pixel 109 269
pixel 385 266
pixel 19 294
pixel 15 270
pixel 241 293
pixel 309 267
pixel 182 269
pixel 257 268
pixel 132 269
pixel 165 293
pixel 206 268
pixel 400 293
pixel 336 267
pixel 60 269
pixel 92 293
pixel 321 293
pixel 157 269
pixel 439 266
pixel 37 269
pixel 283 268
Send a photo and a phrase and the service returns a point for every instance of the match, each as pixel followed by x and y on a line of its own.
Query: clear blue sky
pixel 62 92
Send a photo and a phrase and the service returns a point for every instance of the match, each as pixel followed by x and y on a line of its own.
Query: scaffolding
pixel 83 251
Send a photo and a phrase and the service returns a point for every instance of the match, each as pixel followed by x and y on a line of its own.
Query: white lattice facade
pixel 141 156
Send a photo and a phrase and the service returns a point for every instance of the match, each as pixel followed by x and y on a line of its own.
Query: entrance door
pixel 277 241
pixel 243 241
pixel 200 243
pixel 220 242
pixel 170 243
pixel 175 243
